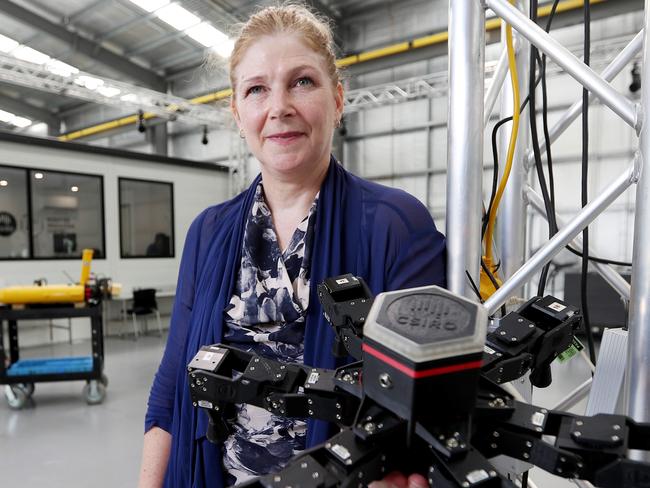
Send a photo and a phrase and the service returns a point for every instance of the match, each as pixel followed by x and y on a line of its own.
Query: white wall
pixel 194 190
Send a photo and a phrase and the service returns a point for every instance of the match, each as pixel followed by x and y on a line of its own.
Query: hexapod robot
pixel 423 395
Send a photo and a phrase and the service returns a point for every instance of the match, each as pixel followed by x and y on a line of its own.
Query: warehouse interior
pixel 116 132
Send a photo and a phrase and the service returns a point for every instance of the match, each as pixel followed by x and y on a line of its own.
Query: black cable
pixel 599 260
pixel 547 138
pixel 474 287
pixel 584 189
pixel 489 274
pixel 495 157
pixel 536 150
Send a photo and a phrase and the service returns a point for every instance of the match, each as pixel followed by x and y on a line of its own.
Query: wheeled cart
pixel 20 375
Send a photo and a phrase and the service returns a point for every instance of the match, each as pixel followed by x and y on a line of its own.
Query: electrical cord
pixel 495 283
pixel 474 287
pixel 599 260
pixel 552 227
pixel 512 62
pixel 584 189
pixel 495 172
pixel 495 153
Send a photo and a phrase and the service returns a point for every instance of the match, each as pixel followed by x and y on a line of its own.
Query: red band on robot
pixel 424 373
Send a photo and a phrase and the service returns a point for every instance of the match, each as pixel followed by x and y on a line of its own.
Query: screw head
pixel 385 381
pixel 369 427
pixel 452 443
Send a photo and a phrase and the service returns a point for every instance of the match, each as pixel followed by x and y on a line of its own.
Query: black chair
pixel 144 303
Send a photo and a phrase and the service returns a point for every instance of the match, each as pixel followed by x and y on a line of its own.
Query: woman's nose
pixel 280 104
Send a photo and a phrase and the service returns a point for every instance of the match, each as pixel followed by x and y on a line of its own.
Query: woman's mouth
pixel 285 137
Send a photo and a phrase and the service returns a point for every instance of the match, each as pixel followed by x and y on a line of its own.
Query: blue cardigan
pixel 382 234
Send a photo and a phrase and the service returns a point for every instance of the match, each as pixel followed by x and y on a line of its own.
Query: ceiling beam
pixel 28 110
pixel 85 46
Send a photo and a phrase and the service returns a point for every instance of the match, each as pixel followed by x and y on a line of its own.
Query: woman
pixel 250 265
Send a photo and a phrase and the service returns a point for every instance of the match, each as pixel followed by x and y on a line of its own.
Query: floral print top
pixel 266 315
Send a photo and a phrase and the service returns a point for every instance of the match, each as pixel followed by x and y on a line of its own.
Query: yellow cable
pixel 511 147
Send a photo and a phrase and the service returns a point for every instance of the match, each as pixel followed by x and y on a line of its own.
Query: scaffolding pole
pixel 582 73
pixel 609 274
pixel 563 237
pixel 465 142
pixel 572 113
pixel 498 78
pixel 638 364
pixel 511 224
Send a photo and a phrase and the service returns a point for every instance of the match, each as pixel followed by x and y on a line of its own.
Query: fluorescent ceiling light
pixel 31 55
pixel 21 122
pixel 39 128
pixel 129 97
pixel 7 44
pixel 60 68
pixel 74 188
pixel 150 5
pixel 4 182
pixel 206 34
pixel 109 91
pixel 176 16
pixel 89 82
pixel 38 176
pixel 9 118
pixel 224 48
pixel 6 116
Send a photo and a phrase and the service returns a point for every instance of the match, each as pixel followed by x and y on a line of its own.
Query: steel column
pixel 511 224
pixel 564 58
pixel 609 274
pixel 465 142
pixel 638 364
pixel 564 236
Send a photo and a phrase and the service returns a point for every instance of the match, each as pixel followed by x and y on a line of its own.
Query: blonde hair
pixel 287 19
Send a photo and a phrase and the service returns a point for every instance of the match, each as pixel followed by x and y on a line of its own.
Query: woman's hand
pixel 399 480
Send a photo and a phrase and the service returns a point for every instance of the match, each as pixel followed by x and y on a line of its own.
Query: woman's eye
pixel 304 81
pixel 254 90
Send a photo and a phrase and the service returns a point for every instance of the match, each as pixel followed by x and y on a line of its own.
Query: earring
pixel 337 124
pixel 241 134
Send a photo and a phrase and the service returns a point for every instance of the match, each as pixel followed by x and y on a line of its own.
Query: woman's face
pixel 286 105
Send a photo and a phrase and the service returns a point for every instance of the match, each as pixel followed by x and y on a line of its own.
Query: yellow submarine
pixel 63 293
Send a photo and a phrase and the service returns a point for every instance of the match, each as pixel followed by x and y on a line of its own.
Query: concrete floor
pixel 59 441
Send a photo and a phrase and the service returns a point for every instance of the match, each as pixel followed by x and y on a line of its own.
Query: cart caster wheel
pixel 28 388
pixel 16 396
pixel 94 392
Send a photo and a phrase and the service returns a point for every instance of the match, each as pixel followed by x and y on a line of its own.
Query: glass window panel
pixel 14 220
pixel 67 214
pixel 146 218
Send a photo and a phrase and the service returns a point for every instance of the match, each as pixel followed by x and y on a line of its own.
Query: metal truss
pixel 435 85
pixel 431 85
pixel 465 149
pixel 88 87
